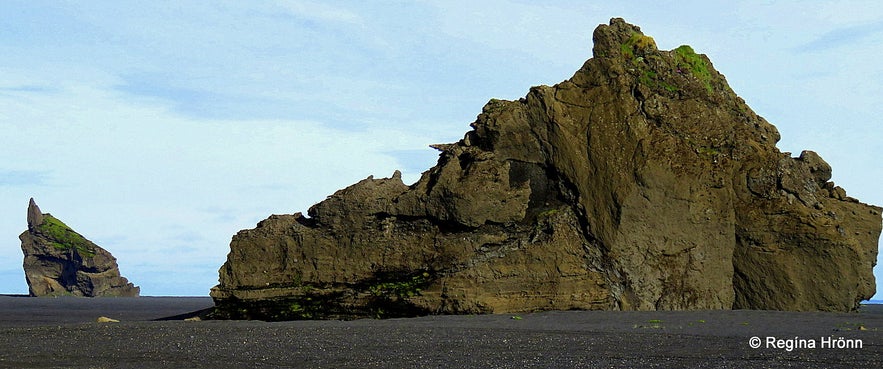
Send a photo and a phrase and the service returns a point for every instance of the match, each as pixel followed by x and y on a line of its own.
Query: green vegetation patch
pixel 651 78
pixel 654 324
pixel 637 42
pixel 63 237
pixel 409 287
pixel 710 151
pixel 707 151
pixel 688 60
pixel 646 74
pixel 547 213
pixel 304 309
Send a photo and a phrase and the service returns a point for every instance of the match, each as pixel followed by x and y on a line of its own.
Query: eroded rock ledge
pixel 642 182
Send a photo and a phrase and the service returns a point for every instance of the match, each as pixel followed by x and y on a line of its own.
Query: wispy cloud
pixel 842 37
pixel 22 178
pixel 286 98
pixel 27 88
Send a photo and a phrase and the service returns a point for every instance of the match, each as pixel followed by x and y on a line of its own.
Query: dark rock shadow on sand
pixel 193 315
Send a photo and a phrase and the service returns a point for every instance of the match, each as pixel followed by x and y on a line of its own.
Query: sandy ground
pixel 63 333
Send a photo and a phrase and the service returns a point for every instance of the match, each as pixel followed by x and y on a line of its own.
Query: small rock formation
pixel 59 261
pixel 641 183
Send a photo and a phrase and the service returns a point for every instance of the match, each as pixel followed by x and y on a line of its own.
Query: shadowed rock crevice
pixel 641 183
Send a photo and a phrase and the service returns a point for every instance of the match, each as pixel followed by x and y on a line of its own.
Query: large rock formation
pixel 643 182
pixel 59 261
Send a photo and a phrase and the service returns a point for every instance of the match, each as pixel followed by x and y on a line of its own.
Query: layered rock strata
pixel 60 262
pixel 643 182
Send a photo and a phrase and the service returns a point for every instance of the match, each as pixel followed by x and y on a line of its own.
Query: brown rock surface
pixel 641 183
pixel 59 261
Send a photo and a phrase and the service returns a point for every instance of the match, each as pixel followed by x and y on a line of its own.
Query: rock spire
pixel 59 261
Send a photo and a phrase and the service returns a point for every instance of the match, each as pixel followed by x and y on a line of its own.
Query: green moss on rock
pixel 64 238
pixel 652 79
pixel 409 287
pixel 637 43
pixel 688 60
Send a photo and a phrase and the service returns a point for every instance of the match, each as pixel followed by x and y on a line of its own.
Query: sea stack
pixel 60 262
pixel 643 182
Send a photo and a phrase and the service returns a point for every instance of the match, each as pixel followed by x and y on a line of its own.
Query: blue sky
pixel 159 129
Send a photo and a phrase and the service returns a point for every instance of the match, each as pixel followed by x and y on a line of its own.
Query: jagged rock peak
pixel 620 37
pixel 643 182
pixel 35 216
pixel 60 261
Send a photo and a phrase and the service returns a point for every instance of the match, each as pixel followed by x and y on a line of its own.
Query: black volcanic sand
pixel 63 333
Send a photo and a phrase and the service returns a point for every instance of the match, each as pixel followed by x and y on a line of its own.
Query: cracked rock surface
pixel 641 183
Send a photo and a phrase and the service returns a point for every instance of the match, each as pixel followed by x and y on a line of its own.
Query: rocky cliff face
pixel 59 261
pixel 643 182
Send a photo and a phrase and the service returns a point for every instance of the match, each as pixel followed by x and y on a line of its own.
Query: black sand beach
pixel 63 333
